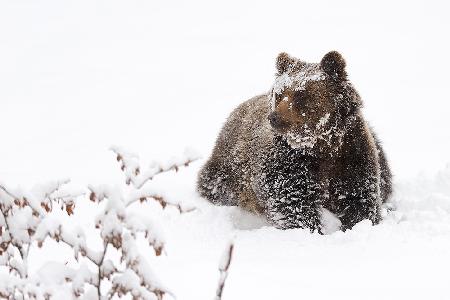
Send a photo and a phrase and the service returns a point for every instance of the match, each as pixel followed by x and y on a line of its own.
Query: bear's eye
pixel 299 99
pixel 278 97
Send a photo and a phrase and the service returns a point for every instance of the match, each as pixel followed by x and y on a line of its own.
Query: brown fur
pixel 296 108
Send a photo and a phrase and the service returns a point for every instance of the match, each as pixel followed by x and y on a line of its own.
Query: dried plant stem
pixel 8 192
pixel 223 268
pixel 99 284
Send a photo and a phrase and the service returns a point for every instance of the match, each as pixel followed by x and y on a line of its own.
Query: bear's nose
pixel 276 121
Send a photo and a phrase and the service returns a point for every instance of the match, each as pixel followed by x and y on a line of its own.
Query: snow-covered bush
pixel 27 219
pixel 24 215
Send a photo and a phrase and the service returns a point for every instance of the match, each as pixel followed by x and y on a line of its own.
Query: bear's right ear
pixel 334 65
pixel 284 61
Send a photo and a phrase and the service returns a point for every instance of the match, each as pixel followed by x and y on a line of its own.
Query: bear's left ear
pixel 334 65
pixel 284 61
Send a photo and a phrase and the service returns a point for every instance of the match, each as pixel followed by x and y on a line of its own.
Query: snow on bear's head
pixel 311 103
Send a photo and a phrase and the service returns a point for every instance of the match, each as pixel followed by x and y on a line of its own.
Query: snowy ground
pixel 405 257
pixel 76 77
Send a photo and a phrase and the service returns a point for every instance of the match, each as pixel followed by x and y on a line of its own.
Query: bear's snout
pixel 277 121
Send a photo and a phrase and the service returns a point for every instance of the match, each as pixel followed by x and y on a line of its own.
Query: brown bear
pixel 300 150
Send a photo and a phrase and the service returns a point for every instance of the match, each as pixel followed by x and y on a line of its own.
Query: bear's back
pixel 226 176
pixel 246 129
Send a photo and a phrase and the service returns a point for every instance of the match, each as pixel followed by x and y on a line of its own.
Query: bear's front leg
pixel 357 198
pixel 295 204
pixel 294 213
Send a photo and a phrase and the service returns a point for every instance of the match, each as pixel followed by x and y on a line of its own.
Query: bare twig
pixel 99 292
pixel 8 192
pixel 223 268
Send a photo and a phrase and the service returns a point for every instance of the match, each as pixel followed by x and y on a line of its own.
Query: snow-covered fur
pixel 300 150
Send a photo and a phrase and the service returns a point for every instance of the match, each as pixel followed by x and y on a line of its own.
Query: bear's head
pixel 312 104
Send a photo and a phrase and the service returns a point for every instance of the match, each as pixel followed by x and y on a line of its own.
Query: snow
pixel 388 260
pixel 129 283
pixel 306 73
pixel 330 223
pixel 323 120
pixel 77 77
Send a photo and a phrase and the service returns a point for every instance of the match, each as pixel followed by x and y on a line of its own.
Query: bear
pixel 299 151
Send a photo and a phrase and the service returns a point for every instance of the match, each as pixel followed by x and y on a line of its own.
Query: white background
pixel 156 76
pixel 78 76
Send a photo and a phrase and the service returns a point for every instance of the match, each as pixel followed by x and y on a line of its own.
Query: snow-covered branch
pixel 23 215
pixel 129 164
pixel 28 218
pixel 143 195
